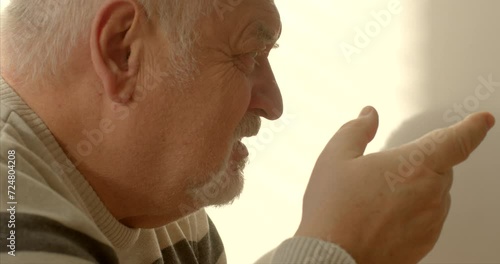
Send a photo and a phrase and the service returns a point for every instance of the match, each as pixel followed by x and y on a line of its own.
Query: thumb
pixel 352 138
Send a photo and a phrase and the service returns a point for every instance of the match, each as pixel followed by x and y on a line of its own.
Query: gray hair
pixel 40 35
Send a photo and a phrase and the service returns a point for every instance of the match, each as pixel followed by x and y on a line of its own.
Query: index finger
pixel 451 146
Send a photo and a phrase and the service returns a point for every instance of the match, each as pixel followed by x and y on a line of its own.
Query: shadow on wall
pixel 462 68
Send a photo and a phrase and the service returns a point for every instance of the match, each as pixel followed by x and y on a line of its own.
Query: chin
pixel 222 187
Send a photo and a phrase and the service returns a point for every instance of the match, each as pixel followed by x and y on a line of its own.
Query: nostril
pixel 276 112
pixel 260 112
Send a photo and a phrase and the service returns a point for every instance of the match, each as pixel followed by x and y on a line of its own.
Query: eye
pixel 248 61
pixel 254 56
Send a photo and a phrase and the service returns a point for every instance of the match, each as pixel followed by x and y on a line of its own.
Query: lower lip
pixel 240 150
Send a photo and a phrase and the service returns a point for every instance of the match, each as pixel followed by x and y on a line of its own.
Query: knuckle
pixel 351 124
pixel 463 145
pixel 435 194
pixel 420 171
pixel 448 178
pixel 448 200
pixel 434 186
pixel 437 206
pixel 356 127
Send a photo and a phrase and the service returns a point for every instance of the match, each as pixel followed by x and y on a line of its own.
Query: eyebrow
pixel 265 35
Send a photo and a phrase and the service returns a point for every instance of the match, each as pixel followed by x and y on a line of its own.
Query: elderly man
pixel 122 119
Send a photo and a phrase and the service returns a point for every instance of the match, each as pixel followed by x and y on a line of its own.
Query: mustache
pixel 249 126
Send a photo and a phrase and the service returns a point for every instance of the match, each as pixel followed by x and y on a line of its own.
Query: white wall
pixel 3 4
pixel 321 91
pixel 426 59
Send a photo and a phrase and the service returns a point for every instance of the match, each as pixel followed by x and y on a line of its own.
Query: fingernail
pixel 366 111
pixel 491 121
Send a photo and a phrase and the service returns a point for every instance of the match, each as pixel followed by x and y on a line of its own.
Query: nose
pixel 266 96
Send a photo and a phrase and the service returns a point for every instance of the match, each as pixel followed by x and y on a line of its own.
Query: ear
pixel 115 45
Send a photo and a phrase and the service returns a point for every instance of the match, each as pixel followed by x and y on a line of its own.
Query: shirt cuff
pixel 306 250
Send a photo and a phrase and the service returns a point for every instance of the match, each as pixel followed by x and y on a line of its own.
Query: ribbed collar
pixel 118 234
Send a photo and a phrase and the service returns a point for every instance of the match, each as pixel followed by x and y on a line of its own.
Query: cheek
pixel 230 89
pixel 238 99
pixel 227 101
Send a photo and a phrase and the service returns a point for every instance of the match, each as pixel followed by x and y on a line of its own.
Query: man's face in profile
pixel 217 106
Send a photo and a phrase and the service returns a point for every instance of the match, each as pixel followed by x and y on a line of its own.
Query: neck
pixel 93 141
